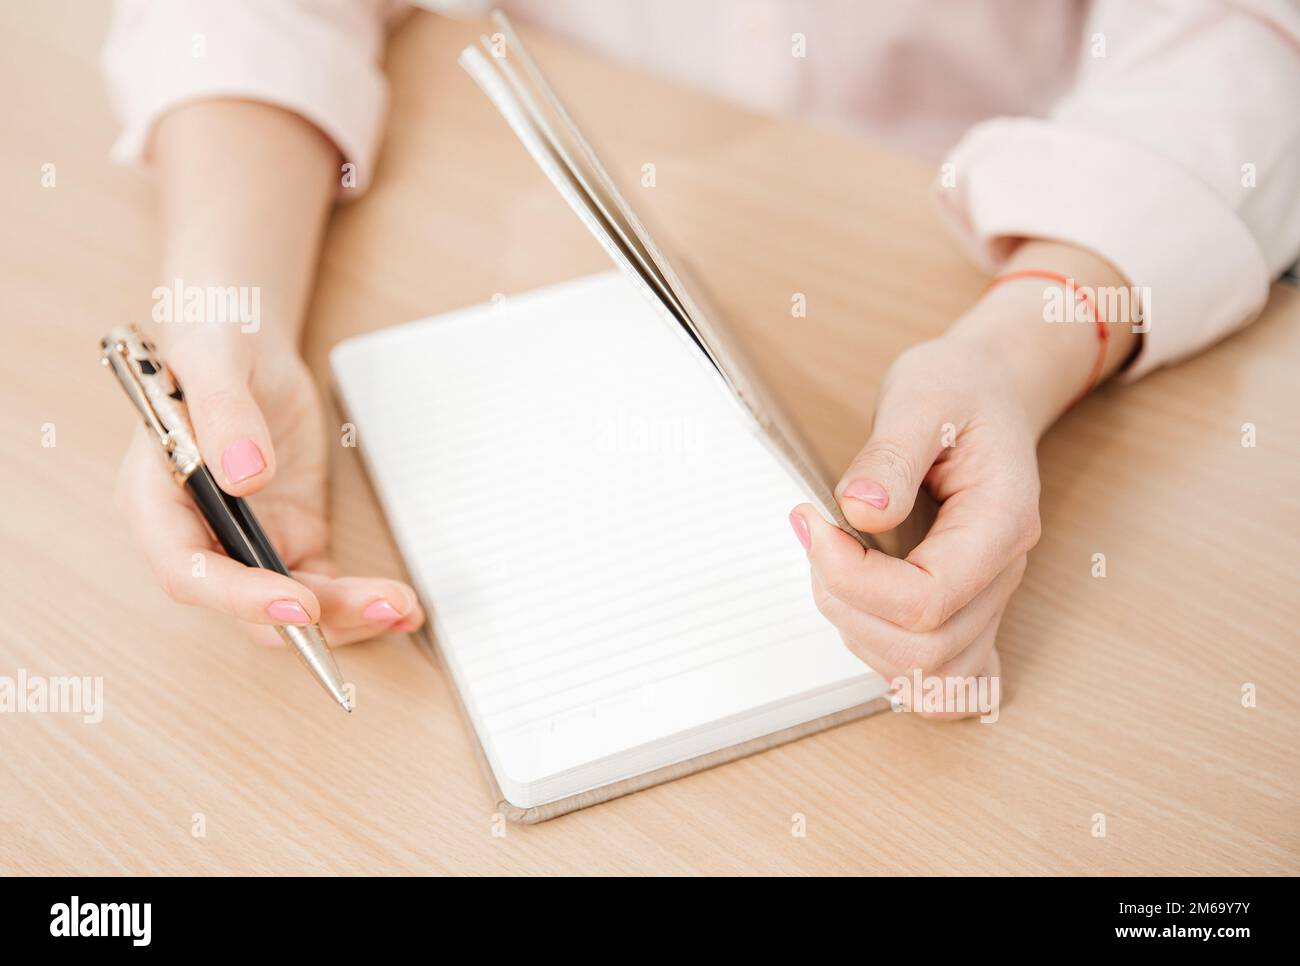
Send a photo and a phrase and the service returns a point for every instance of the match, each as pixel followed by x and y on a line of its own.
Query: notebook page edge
pixel 737 368
pixel 513 112
pixel 556 136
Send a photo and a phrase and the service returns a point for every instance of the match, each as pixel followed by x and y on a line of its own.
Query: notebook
pixel 590 488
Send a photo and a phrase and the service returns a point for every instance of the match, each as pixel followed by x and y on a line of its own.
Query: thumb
pixel 231 431
pixel 879 488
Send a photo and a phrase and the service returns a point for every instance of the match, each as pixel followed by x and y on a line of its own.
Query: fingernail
pixel 242 460
pixel 380 610
pixel 868 492
pixel 288 612
pixel 800 527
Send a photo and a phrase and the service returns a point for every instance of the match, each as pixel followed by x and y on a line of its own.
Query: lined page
pixel 600 531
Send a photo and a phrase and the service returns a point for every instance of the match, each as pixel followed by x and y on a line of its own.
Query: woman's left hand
pixel 946 419
pixel 960 415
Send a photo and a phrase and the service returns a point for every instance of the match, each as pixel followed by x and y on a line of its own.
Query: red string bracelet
pixel 1103 335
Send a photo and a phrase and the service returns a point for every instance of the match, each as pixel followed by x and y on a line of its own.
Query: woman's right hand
pixel 260 428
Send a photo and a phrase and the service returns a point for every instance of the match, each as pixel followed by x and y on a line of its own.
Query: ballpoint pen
pixel 155 392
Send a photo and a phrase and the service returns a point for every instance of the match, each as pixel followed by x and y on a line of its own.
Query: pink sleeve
pixel 1176 157
pixel 317 58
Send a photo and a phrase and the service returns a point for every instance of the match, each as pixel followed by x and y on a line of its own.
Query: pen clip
pixel 149 384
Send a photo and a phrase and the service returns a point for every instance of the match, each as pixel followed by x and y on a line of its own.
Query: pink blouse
pixel 1163 135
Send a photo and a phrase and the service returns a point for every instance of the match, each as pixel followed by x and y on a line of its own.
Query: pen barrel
pixel 233 523
pixel 242 537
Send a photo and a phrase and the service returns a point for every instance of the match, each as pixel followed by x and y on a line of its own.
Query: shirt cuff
pixel 1199 272
pixel 322 67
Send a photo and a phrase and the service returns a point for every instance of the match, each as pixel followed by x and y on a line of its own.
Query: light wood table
pixel 1126 691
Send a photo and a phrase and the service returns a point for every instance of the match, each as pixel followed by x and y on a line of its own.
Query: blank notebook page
pixel 600 531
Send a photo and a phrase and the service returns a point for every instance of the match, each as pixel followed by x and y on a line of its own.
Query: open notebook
pixel 590 487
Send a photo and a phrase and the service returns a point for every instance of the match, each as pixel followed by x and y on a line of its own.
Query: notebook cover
pixel 728 352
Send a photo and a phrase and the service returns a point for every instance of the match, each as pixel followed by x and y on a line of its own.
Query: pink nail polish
pixel 800 527
pixel 868 492
pixel 380 610
pixel 242 460
pixel 288 612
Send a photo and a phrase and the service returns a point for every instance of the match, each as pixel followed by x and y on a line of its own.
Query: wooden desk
pixel 1126 690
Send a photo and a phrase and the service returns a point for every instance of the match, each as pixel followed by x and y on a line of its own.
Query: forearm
pixel 245 191
pixel 1049 361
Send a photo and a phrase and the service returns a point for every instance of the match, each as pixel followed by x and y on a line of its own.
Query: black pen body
pixel 232 520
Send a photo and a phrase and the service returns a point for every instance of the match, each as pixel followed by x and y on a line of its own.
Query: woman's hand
pixel 960 415
pixel 947 419
pixel 255 224
pixel 258 419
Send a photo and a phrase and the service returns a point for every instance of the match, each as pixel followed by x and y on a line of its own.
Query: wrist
pixel 1051 349
pixel 243 230
pixel 1042 366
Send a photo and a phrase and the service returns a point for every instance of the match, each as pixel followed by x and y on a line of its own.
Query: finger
pixel 893 651
pixel 266 636
pixel 364 602
pixel 355 609
pixel 981 530
pixel 867 580
pixel 176 545
pixel 975 685
pixel 975 536
pixel 869 639
pixel 974 659
pixel 145 486
pixel 340 636
pixel 879 488
pixel 232 433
